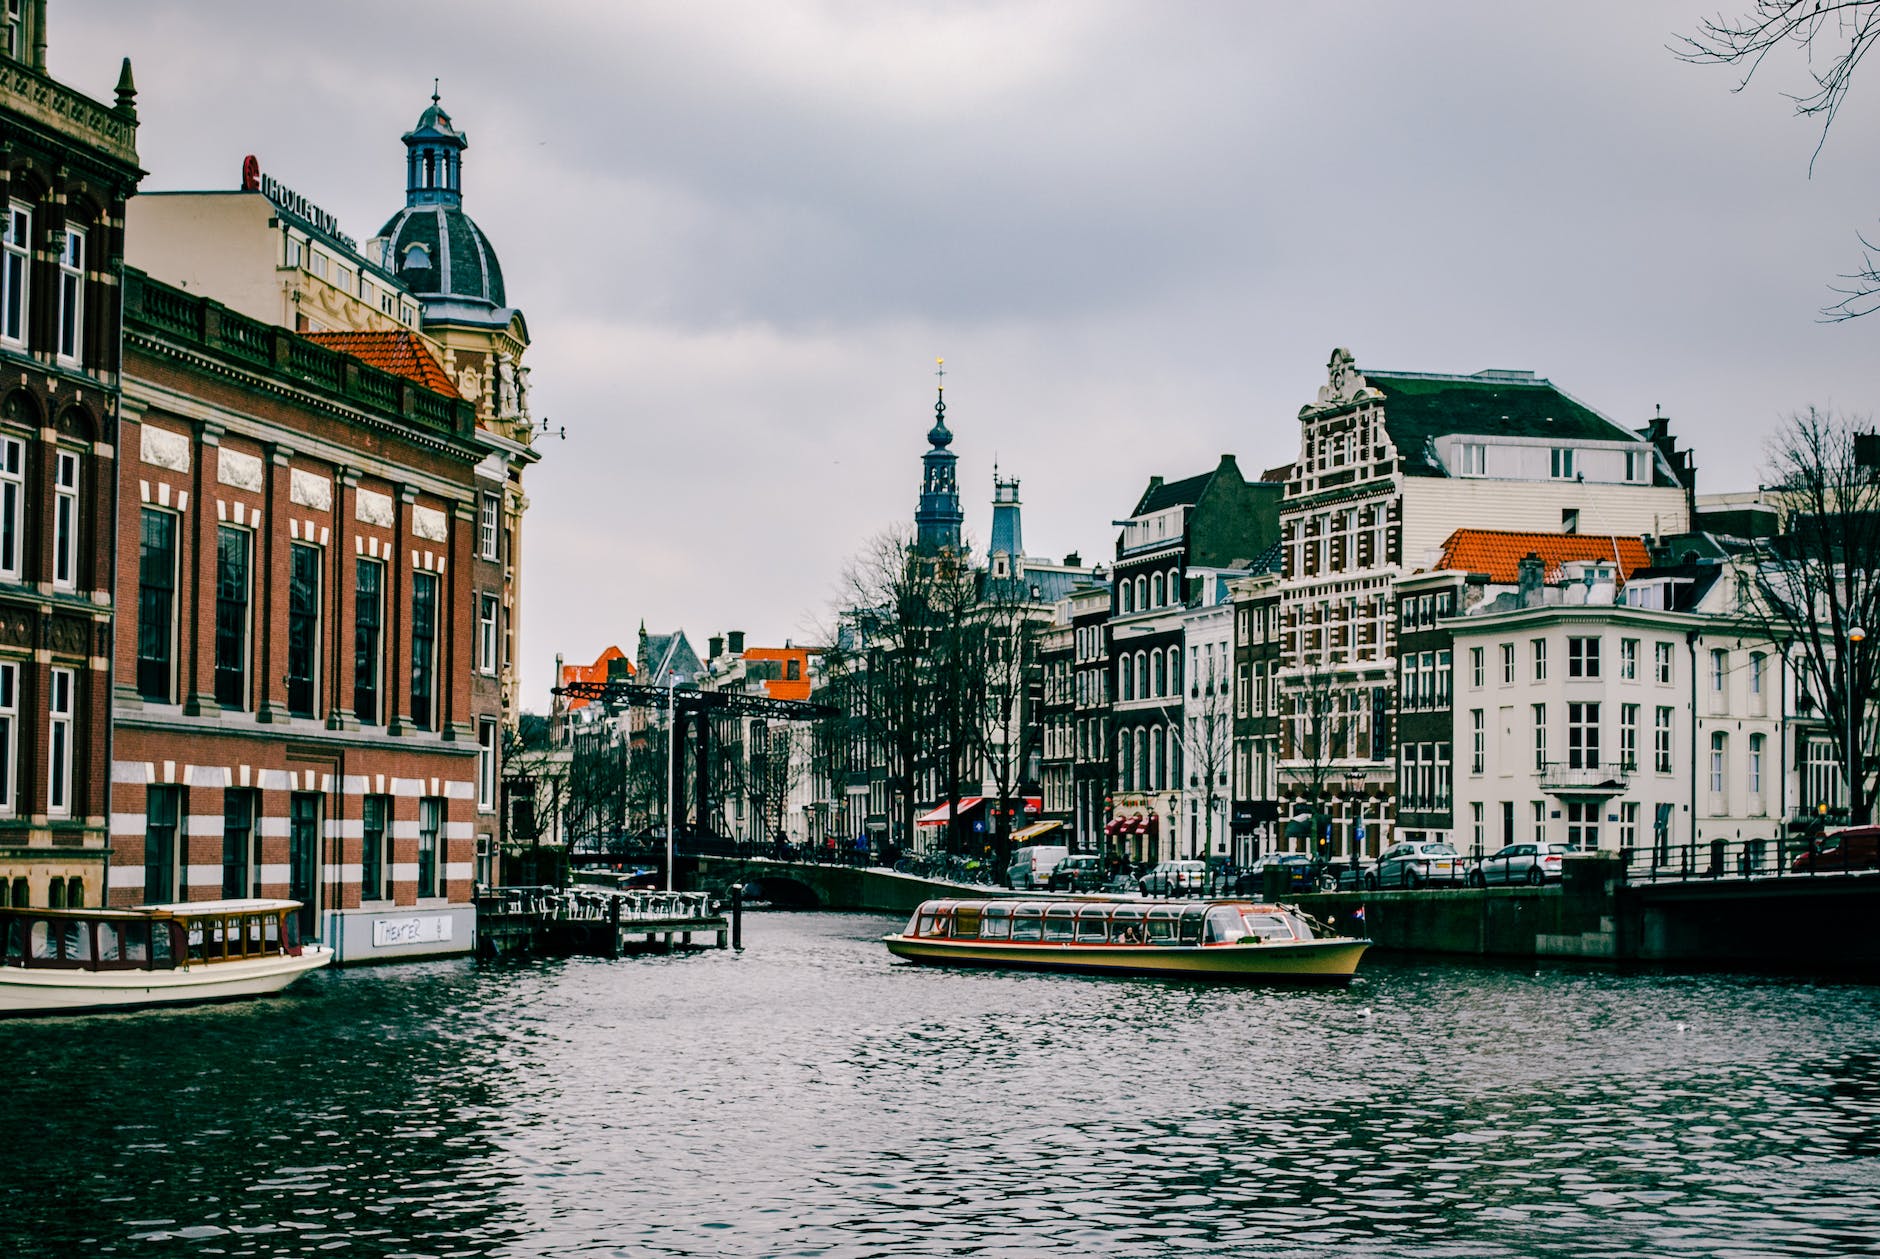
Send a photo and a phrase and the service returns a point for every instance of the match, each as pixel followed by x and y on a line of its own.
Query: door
pixel 303 858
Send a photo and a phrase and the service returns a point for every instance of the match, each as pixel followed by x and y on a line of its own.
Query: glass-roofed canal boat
pixel 1216 939
pixel 64 961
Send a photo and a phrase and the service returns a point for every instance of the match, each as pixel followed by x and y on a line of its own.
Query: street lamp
pixel 1354 782
pixel 1855 637
pixel 672 771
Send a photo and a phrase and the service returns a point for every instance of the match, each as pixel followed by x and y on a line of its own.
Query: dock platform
pixel 591 921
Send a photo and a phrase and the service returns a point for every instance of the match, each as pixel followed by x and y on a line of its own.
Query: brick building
pixel 70 162
pixel 294 712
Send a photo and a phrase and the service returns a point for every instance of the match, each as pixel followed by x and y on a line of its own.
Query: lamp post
pixel 1354 783
pixel 1855 636
pixel 672 771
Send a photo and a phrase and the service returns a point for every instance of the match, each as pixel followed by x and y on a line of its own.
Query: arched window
pixel 1123 602
pixel 1155 590
pixel 55 894
pixel 1755 765
pixel 22 896
pixel 1175 671
pixel 75 894
pixel 1142 759
pixel 1125 679
pixel 1174 757
pixel 1155 673
pixel 1719 750
pixel 1126 761
pixel 1175 585
pixel 1142 594
pixel 1160 781
pixel 1142 675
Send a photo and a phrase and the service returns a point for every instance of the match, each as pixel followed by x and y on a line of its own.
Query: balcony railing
pixel 1588 777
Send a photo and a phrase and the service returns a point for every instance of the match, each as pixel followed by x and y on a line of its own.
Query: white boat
pixel 62 961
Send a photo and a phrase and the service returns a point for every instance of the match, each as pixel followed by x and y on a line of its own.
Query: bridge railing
pixel 1780 857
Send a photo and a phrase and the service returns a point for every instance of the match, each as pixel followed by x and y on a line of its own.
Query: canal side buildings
pixel 70 162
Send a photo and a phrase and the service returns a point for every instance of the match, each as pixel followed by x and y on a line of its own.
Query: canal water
pixel 809 1098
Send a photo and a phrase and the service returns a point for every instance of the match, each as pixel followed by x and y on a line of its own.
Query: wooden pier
pixel 591 921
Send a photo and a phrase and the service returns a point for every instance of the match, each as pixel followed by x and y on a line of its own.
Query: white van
pixel 1032 866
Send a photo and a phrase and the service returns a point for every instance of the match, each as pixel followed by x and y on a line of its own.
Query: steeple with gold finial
pixel 937 522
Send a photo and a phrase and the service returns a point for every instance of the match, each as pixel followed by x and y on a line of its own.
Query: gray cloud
pixel 742 232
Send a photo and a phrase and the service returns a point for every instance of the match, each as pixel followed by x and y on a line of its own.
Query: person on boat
pixel 1130 935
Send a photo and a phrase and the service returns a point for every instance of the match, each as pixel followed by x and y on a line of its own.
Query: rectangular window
pixel 1540 736
pixel 368 627
pixel 65 521
pixel 12 499
pixel 486 527
pixel 1477 669
pixel 233 575
pixel 1442 679
pixel 60 704
pixel 1628 735
pixel 1583 736
pixel 316 263
pixel 1661 740
pixel 1583 657
pixel 423 648
pixel 303 628
pixel 373 862
pixel 163 805
pixel 72 296
pixel 238 834
pixel 486 765
pixel 1628 659
pixel 156 604
pixel 1719 754
pixel 1562 463
pixel 1474 458
pixel 1540 821
pixel 15 273
pixel 1475 823
pixel 1661 655
pixel 9 726
pixel 1583 824
pixel 1719 668
pixel 1755 770
pixel 1507 822
pixel 1539 646
pixel 1507 664
pixel 486 634
pixel 1478 745
pixel 1628 824
pixel 430 824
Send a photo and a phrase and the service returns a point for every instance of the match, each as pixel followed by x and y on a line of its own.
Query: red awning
pixel 940 816
pixel 1138 824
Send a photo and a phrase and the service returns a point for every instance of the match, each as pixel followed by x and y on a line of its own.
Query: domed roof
pixel 440 252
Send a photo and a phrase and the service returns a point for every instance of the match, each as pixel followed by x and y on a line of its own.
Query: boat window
pixel 271 932
pixel 997 923
pixel 136 943
pixel 1059 925
pixel 252 925
pixel 1191 923
pixel 75 942
pixel 1299 928
pixel 45 946
pixel 1161 926
pixel 1093 926
pixel 110 943
pixel 924 925
pixel 1224 926
pixel 966 923
pixel 1268 926
pixel 1028 923
pixel 15 942
pixel 192 932
pixel 163 945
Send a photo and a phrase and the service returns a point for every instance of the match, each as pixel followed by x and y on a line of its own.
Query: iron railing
pixel 1779 857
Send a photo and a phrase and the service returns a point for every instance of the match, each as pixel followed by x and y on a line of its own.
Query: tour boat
pixel 1214 939
pixel 61 961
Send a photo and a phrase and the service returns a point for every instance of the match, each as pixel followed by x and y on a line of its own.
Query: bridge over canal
pixel 811 885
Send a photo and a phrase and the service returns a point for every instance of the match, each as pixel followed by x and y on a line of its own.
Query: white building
pixel 1207 721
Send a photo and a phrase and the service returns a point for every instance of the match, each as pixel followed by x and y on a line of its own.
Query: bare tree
pixel 1207 726
pixel 1832 36
pixel 1818 593
pixel 1321 728
pixel 1000 667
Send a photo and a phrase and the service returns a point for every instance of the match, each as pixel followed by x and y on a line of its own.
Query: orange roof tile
pixel 397 351
pixel 1498 555
pixel 596 672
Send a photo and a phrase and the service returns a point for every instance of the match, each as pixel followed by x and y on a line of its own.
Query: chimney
pixel 734 640
pixel 1532 572
pixel 1073 560
pixel 715 647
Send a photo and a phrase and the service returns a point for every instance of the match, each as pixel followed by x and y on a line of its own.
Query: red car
pixel 1854 849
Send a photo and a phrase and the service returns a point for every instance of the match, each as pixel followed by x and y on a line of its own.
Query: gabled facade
pixel 1388 464
pixel 69 162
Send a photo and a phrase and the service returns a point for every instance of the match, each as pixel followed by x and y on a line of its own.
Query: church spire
pixel 937 521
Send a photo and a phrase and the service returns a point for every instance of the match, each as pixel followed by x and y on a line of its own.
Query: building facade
pixel 293 709
pixel 70 163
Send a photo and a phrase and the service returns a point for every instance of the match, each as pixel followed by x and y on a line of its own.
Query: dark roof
pixel 454 260
pixel 1271 560
pixel 1162 495
pixel 1419 408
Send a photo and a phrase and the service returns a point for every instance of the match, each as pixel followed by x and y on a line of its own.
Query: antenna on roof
pixel 434 91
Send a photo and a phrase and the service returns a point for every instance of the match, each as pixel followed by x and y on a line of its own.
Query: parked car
pixel 1175 878
pixel 1857 848
pixel 1032 865
pixel 1519 863
pixel 1416 863
pixel 1298 868
pixel 1341 875
pixel 1077 874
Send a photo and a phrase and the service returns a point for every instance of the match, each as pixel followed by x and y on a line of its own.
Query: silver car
pixel 1519 863
pixel 1175 878
pixel 1416 863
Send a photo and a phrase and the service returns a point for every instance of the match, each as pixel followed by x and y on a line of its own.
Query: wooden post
pixel 613 926
pixel 737 918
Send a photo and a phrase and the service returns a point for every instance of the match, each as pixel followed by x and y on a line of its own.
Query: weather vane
pixel 941 372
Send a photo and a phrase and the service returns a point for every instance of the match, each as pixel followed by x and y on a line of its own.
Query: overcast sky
pixel 741 233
